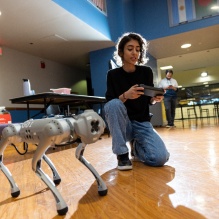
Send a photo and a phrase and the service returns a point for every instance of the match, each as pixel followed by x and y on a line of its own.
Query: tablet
pixel 152 91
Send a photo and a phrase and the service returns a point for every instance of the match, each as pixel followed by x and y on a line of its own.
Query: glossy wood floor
pixel 186 187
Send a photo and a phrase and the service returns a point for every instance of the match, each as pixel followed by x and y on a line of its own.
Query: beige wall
pixel 14 66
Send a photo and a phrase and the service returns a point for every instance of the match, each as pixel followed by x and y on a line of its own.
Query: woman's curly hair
pixel 125 38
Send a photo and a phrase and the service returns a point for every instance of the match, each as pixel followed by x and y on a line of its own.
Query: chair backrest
pixel 53 110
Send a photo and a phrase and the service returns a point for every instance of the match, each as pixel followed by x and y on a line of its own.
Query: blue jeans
pixel 170 107
pixel 149 147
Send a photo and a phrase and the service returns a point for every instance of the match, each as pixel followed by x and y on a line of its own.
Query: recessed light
pixel 215 7
pixel 186 45
pixel 166 67
pixel 204 74
pixel 205 82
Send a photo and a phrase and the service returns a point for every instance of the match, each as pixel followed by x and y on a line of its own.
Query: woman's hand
pixel 134 92
pixel 155 99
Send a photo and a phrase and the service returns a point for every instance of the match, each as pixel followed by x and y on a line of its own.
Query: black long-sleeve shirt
pixel 119 81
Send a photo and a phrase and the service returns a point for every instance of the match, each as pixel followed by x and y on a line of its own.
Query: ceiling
pixel 44 29
pixel 188 64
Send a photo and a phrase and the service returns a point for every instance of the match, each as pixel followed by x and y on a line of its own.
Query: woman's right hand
pixel 134 92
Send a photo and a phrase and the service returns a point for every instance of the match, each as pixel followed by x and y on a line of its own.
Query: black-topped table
pixel 49 98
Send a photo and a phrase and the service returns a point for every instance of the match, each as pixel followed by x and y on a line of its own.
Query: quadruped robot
pixel 85 128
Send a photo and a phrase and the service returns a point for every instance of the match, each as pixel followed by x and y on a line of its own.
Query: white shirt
pixel 165 83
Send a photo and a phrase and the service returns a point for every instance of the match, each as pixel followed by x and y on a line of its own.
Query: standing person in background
pixel 127 108
pixel 170 85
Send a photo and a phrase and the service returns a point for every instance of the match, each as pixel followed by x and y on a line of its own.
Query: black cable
pixel 26 148
pixel 68 143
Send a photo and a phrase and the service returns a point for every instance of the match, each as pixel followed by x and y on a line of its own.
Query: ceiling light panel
pixel 186 45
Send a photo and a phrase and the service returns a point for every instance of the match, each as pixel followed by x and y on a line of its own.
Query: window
pixel 183 11
pixel 100 4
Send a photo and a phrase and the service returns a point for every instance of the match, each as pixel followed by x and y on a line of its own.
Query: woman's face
pixel 131 52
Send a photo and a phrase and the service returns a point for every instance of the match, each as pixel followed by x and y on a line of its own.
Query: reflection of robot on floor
pixel 47 132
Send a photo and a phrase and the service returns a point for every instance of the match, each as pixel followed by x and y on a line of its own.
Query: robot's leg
pixel 15 191
pixel 61 206
pixel 56 176
pixel 102 189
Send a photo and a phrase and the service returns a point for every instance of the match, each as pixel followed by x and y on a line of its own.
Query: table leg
pixel 195 112
pixel 28 111
pixel 182 113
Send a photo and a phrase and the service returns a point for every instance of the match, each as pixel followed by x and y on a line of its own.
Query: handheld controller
pixel 152 91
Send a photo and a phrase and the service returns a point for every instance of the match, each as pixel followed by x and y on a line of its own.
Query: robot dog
pixel 85 128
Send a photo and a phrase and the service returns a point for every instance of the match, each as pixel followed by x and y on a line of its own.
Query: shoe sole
pixel 124 167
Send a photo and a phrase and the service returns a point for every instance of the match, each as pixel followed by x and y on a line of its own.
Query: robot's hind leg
pixel 56 176
pixel 15 191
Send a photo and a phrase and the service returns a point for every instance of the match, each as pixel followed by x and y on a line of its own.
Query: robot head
pixel 89 126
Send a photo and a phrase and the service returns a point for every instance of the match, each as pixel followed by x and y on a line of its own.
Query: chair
pixel 204 111
pixel 191 112
pixel 215 110
pixel 52 110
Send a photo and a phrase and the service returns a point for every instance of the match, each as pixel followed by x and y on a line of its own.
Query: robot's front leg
pixel 61 206
pixel 102 189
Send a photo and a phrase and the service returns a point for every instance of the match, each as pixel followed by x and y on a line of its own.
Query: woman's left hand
pixel 158 98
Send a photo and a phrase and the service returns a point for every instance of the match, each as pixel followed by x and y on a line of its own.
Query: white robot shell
pixel 89 126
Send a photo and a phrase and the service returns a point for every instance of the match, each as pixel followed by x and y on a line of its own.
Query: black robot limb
pixel 49 132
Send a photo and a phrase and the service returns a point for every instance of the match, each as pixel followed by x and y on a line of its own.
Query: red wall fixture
pixel 42 64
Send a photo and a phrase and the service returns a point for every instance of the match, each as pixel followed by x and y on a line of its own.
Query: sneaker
pixel 123 162
pixel 124 165
pixel 168 126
